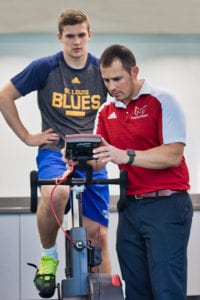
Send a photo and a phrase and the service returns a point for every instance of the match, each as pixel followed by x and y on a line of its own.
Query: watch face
pixel 130 152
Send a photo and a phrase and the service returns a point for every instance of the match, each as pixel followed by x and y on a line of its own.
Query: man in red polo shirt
pixel 143 132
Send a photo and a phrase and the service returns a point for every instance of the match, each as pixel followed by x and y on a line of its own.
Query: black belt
pixel 161 193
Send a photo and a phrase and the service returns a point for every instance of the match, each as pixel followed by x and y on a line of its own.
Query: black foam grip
pixel 34 187
pixel 121 204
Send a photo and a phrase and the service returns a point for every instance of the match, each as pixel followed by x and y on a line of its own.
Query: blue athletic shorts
pixel 95 198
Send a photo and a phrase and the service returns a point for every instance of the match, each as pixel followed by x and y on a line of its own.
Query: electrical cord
pixel 59 181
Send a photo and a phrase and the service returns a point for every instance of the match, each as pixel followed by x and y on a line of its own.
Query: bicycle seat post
pixel 77 205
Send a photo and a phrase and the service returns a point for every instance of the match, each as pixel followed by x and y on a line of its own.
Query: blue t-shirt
pixel 68 98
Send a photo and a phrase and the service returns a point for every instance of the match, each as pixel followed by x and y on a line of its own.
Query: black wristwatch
pixel 131 154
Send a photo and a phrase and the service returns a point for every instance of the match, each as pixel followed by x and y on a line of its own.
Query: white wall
pixel 110 16
pixel 177 71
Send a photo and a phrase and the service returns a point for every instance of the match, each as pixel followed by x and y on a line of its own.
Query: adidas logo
pixel 112 116
pixel 75 80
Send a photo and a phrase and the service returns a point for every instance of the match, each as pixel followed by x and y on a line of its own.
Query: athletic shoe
pixel 45 279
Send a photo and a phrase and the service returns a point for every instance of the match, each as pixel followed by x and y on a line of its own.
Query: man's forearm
pixel 11 116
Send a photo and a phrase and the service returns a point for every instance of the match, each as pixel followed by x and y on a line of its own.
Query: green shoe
pixel 45 279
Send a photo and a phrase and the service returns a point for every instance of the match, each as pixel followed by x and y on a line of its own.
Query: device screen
pixel 80 146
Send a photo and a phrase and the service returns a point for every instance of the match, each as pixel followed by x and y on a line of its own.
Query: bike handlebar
pixel 71 181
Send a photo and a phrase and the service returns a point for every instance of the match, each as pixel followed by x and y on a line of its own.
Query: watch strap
pixel 131 154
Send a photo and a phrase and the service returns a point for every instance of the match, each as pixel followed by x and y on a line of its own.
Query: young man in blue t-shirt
pixel 69 93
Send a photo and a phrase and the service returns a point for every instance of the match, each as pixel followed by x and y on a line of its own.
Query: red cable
pixel 59 182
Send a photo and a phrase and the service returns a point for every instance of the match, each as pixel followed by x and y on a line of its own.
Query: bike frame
pixel 79 282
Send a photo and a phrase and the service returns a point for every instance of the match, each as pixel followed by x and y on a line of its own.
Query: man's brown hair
pixel 72 17
pixel 118 52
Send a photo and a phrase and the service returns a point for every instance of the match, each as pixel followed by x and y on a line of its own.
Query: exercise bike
pixel 80 255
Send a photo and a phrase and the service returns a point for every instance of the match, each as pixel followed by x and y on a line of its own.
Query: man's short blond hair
pixel 72 17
